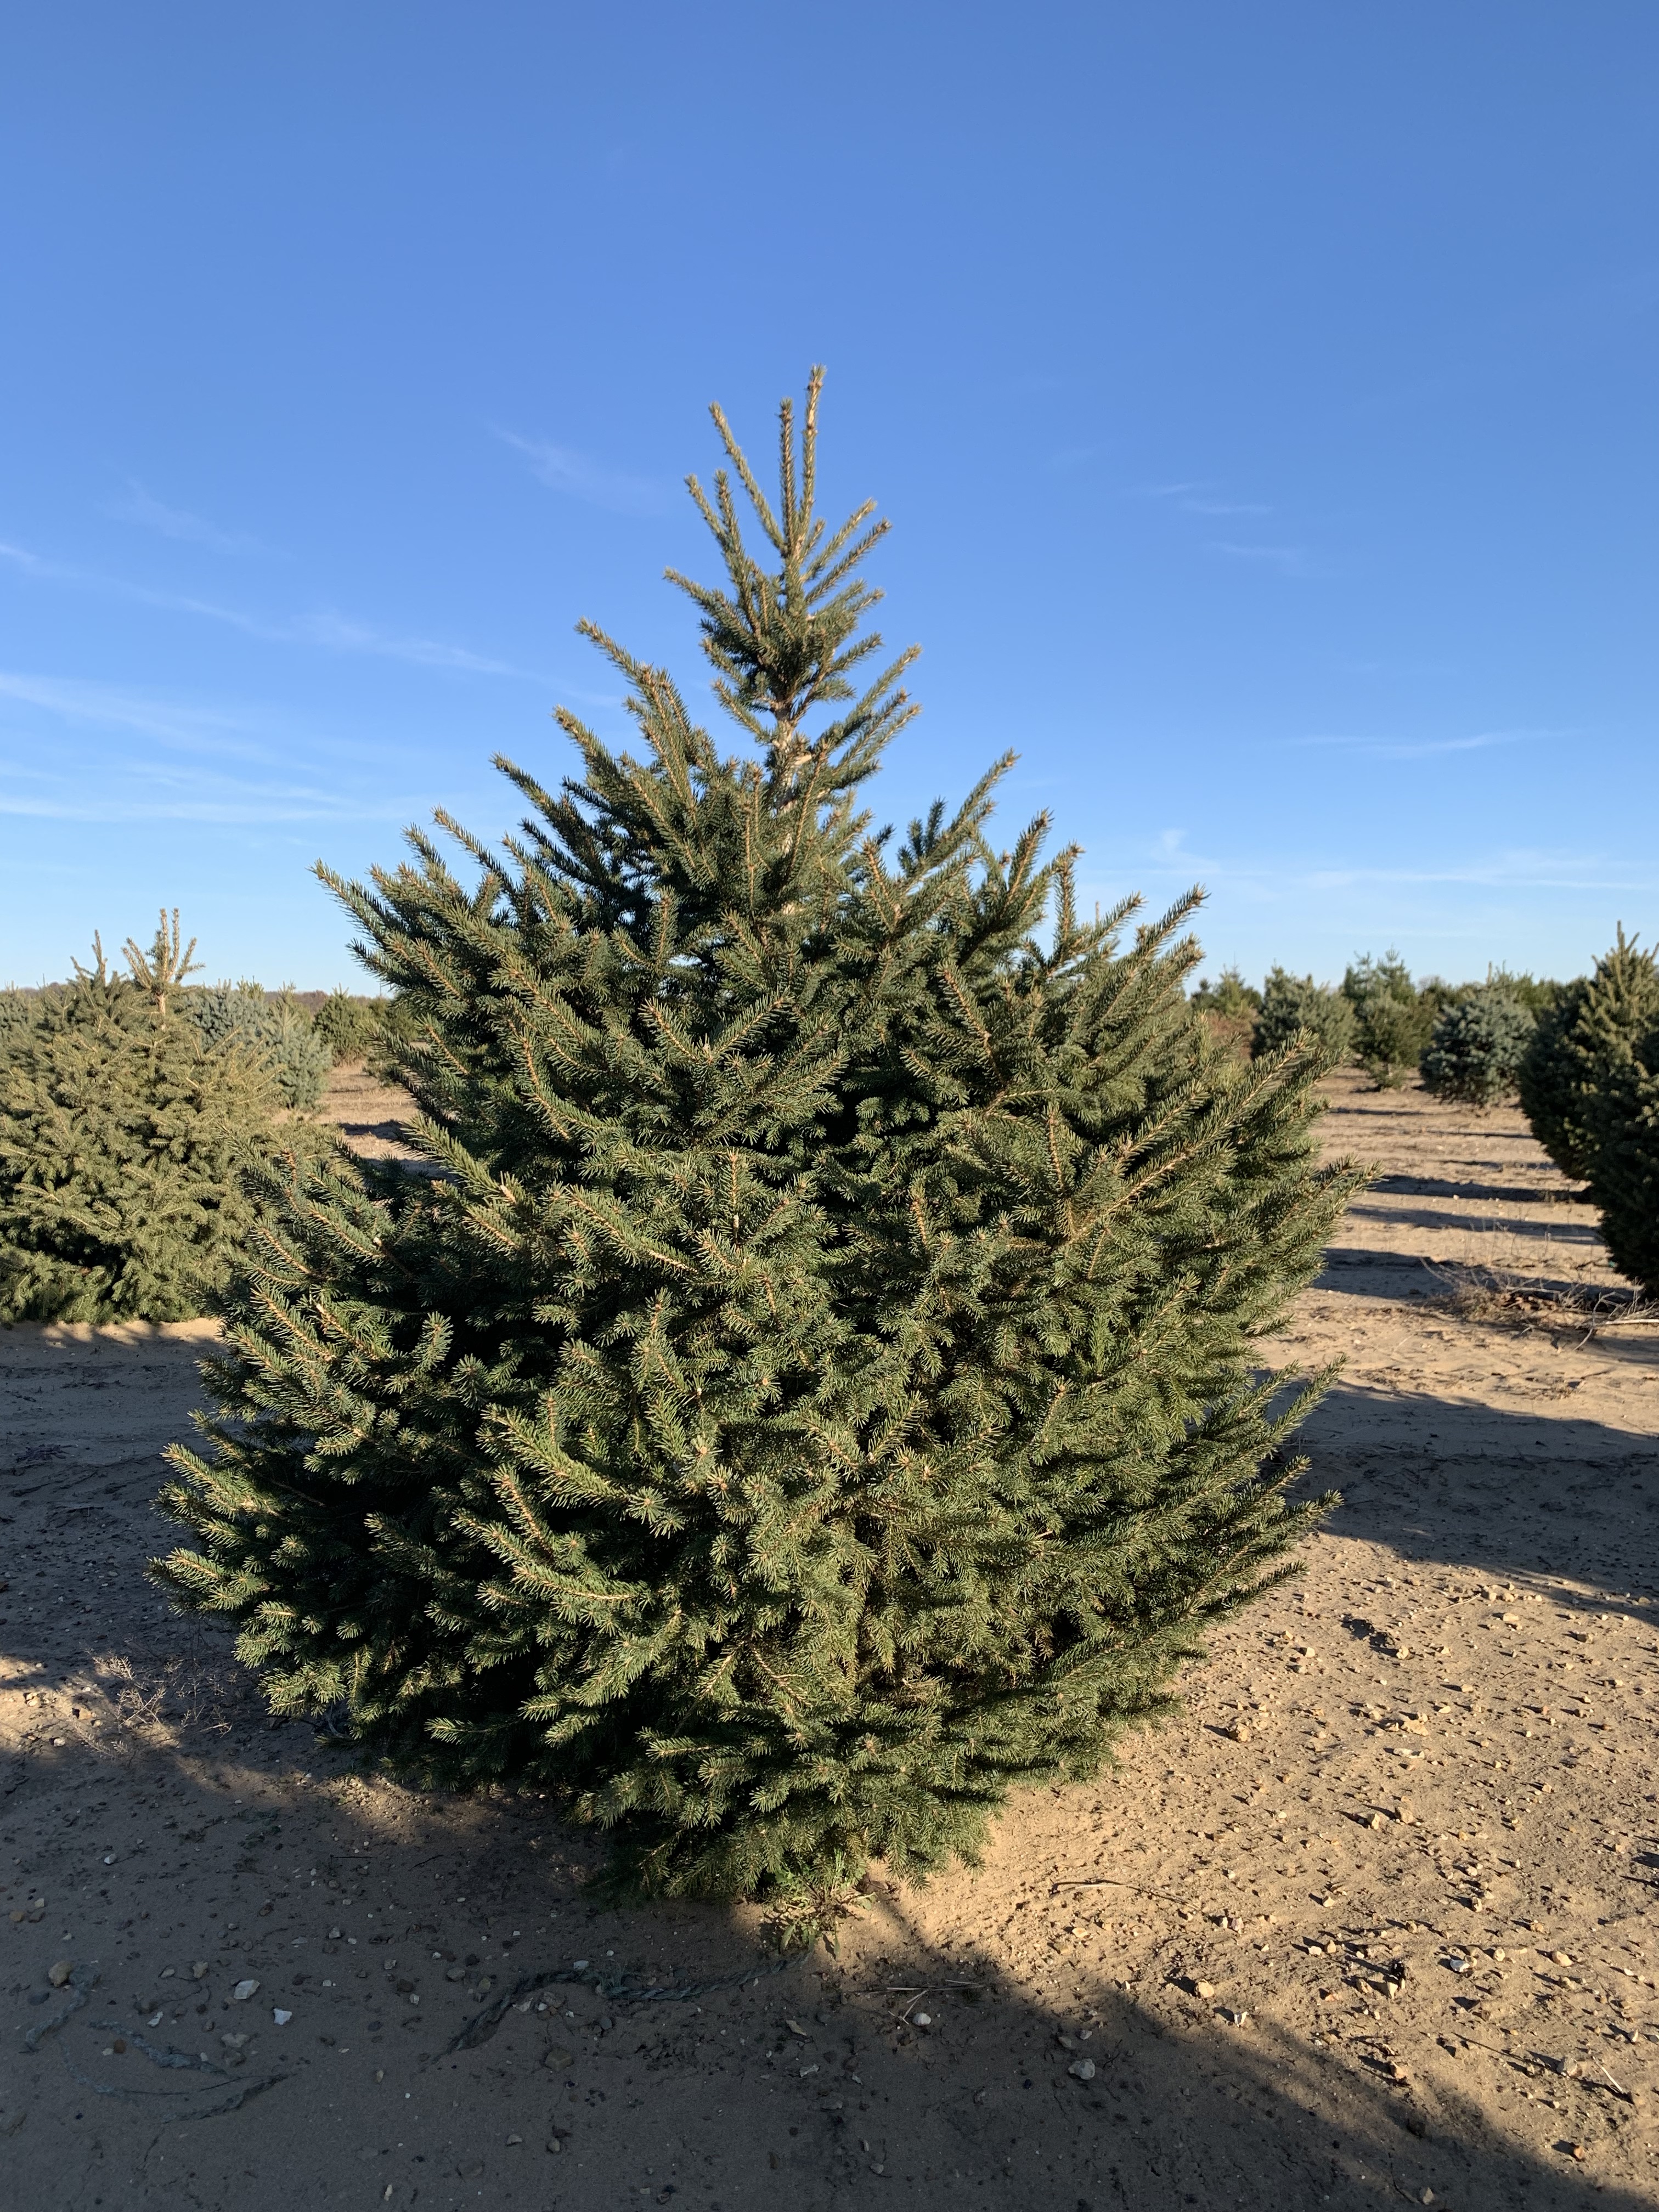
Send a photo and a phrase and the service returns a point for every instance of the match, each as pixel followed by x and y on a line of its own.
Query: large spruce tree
pixel 814 1392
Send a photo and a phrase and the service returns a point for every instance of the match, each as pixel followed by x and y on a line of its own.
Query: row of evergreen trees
pixel 1466 1040
pixel 1582 1057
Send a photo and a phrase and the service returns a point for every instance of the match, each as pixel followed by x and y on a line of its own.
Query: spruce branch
pixel 164 967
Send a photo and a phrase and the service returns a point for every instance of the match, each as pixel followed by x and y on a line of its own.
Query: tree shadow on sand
pixel 180 1829
pixel 1504 1492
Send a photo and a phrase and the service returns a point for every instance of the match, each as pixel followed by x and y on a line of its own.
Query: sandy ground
pixel 1371 1923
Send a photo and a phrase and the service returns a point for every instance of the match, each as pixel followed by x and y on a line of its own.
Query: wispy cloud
pixel 31 564
pixel 1208 502
pixel 112 707
pixel 137 505
pixel 1198 498
pixel 1425 748
pixel 1516 868
pixel 344 635
pixel 121 755
pixel 332 632
pixel 1289 560
pixel 257 804
pixel 561 468
pixel 1520 869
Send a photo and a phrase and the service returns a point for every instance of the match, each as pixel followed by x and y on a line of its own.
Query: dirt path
pixel 1374 1920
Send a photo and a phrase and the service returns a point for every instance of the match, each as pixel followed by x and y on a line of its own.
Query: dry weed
pixel 1500 1298
pixel 198 1691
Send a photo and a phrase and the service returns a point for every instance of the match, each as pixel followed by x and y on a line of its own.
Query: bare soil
pixel 1372 1923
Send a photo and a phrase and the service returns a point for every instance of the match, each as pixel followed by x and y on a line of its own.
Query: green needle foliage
pixel 1595 1021
pixel 1590 1085
pixel 1393 1020
pixel 123 1146
pixel 1477 1045
pixel 814 1394
pixel 1231 1008
pixel 267 1026
pixel 351 1027
pixel 1290 1004
pixel 1624 1178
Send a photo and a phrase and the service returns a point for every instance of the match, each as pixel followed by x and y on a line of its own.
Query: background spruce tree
pixel 1231 1007
pixel 1393 1021
pixel 816 1393
pixel 1590 1085
pixel 1290 1004
pixel 268 1026
pixel 1562 1073
pixel 123 1145
pixel 1625 1164
pixel 354 1028
pixel 1478 1040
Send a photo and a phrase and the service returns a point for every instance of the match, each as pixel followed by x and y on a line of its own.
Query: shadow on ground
pixel 814 2084
pixel 152 1824
pixel 1504 1492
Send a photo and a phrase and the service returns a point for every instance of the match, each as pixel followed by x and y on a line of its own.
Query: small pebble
pixel 1084 2068
pixel 281 2017
pixel 244 1991
pixel 59 1972
pixel 1204 1990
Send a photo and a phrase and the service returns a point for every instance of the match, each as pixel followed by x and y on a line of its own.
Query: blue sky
pixel 1263 399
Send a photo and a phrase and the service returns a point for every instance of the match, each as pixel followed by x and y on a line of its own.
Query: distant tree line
pixel 1466 1040
pixel 1582 1057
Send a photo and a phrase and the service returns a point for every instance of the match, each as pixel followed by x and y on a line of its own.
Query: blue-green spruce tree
pixel 815 1392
